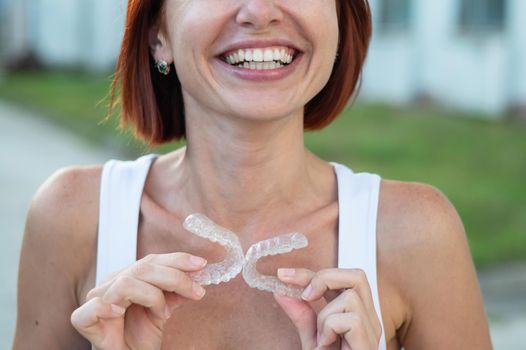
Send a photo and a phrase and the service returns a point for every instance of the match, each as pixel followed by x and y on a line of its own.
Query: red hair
pixel 153 103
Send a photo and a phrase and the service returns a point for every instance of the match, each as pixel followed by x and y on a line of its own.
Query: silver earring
pixel 163 67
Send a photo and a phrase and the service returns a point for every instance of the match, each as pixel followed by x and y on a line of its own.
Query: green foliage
pixel 479 164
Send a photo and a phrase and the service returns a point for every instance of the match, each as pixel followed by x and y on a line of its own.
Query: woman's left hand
pixel 348 321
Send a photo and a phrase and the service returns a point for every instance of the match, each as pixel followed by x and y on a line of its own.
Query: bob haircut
pixel 153 103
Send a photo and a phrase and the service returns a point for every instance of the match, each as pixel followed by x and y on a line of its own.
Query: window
pixel 482 15
pixel 394 15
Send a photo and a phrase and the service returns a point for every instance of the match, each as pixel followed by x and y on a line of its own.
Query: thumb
pixel 302 316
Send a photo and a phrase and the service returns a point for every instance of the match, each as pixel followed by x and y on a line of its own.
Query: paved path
pixel 504 290
pixel 26 138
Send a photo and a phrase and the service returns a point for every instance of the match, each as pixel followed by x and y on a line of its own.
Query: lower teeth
pixel 260 65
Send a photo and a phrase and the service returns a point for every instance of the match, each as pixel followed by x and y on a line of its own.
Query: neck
pixel 247 174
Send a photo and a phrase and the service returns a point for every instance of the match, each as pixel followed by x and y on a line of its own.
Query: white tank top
pixel 120 197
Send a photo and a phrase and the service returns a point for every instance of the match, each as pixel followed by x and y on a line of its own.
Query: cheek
pixel 325 34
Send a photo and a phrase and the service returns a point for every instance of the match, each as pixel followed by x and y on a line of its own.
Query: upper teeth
pixel 260 55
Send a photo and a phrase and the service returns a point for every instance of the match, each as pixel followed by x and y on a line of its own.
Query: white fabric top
pixel 121 189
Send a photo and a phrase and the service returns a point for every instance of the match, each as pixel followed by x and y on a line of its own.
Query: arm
pixel 59 243
pixel 427 258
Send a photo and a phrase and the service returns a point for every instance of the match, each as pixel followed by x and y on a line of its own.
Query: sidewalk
pixel 28 139
pixel 504 290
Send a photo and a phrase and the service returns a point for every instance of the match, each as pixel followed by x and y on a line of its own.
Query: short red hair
pixel 153 103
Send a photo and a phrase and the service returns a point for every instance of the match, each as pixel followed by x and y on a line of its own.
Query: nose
pixel 259 14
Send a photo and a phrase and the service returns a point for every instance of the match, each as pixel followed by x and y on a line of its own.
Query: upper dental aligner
pixel 225 270
pixel 273 246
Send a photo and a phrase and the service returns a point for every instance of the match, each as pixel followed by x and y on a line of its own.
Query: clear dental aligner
pixel 235 261
pixel 225 270
pixel 273 246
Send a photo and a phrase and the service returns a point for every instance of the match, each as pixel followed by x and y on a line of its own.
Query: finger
pixel 350 326
pixel 298 276
pixel 127 290
pixel 88 316
pixel 152 271
pixel 346 302
pixel 168 279
pixel 302 316
pixel 338 279
pixel 110 276
pixel 178 260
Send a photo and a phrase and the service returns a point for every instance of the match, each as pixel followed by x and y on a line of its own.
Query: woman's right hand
pixel 130 308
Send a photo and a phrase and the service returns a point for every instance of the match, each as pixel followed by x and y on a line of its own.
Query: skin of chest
pixel 235 316
pixel 232 315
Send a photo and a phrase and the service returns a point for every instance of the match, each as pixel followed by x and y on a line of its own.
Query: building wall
pixel 432 57
pixel 83 33
pixel 517 57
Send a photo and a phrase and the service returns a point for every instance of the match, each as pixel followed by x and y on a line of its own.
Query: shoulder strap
pixel 121 188
pixel 358 195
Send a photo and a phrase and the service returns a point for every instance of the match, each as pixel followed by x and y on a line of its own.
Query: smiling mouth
pixel 260 58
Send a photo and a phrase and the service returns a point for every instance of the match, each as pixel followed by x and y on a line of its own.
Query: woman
pixel 387 263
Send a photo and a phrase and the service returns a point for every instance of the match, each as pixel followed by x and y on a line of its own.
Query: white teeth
pixel 268 56
pixel 244 57
pixel 282 53
pixel 248 55
pixel 257 56
pixel 276 55
pixel 260 65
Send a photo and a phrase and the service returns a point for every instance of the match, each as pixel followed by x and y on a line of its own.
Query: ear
pixel 159 44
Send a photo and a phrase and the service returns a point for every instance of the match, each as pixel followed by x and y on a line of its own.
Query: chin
pixel 263 112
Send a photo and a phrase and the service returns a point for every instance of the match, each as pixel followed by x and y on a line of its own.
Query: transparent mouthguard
pixel 222 271
pixel 277 245
pixel 235 261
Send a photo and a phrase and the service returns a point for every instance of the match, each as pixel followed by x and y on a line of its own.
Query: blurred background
pixel 443 101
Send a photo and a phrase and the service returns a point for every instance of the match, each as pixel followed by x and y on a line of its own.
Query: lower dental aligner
pixel 225 270
pixel 273 246
pixel 235 260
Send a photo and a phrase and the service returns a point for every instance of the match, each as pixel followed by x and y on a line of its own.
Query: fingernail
pixel 198 290
pixel 197 261
pixel 118 310
pixel 287 273
pixel 307 293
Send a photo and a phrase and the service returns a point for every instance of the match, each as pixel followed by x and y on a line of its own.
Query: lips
pixel 260 59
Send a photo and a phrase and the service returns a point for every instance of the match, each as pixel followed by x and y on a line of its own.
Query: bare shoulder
pixel 421 211
pixel 57 251
pixel 424 259
pixel 64 211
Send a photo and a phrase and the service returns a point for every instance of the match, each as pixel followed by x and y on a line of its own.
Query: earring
pixel 163 67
